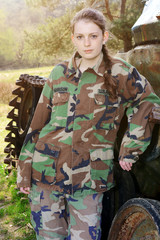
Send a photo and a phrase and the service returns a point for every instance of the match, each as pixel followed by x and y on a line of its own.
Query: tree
pixel 130 10
pixel 15 16
pixel 121 15
pixel 50 4
pixel 54 7
pixel 7 45
pixel 52 38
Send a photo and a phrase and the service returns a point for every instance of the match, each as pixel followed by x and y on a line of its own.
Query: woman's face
pixel 88 39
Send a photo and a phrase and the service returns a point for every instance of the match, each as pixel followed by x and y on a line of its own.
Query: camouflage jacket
pixel 69 145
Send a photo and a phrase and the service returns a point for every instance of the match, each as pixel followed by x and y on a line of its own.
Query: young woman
pixel 66 162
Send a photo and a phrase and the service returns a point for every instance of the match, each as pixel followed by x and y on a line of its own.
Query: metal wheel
pixel 24 104
pixel 26 110
pixel 137 219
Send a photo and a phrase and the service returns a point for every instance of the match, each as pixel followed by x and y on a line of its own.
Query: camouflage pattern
pixel 69 145
pixel 57 216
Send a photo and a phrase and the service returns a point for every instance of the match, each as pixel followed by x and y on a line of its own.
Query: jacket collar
pixel 99 68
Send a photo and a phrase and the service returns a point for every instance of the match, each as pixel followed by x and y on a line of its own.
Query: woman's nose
pixel 86 41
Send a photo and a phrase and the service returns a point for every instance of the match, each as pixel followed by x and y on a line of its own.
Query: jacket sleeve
pixel 40 119
pixel 140 99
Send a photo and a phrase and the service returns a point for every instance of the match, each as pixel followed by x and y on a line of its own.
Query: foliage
pixel 123 20
pixel 51 4
pixel 52 38
pixel 15 210
pixel 38 33
pixel 7 46
pixel 121 15
pixel 121 27
pixel 14 207
pixel 15 16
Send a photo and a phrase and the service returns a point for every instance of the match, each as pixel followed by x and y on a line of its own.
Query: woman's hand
pixel 125 165
pixel 25 190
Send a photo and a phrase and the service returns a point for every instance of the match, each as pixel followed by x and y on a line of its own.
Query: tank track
pixel 24 103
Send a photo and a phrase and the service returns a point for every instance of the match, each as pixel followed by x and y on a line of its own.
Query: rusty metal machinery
pixel 24 103
pixel 137 219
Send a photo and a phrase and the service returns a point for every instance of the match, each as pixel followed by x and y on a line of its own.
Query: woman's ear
pixel 72 38
pixel 106 36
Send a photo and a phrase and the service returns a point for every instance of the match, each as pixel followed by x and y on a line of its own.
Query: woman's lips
pixel 88 51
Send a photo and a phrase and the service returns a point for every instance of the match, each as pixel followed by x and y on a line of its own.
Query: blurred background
pixel 37 33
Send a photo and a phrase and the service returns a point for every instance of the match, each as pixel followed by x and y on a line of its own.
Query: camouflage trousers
pixel 58 216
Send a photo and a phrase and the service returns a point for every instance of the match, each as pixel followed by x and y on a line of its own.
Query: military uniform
pixel 69 145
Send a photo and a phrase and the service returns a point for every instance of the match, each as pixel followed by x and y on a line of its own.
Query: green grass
pixel 14 209
pixel 10 76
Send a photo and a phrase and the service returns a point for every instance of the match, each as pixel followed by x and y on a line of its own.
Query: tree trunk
pixel 127 44
pixel 108 10
pixel 123 6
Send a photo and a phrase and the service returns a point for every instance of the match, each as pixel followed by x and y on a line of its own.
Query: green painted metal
pixel 147 27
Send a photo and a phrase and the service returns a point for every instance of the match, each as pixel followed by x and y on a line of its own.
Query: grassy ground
pixel 8 80
pixel 10 76
pixel 14 206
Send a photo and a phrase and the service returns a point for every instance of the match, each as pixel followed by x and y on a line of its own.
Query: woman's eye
pixel 79 37
pixel 93 36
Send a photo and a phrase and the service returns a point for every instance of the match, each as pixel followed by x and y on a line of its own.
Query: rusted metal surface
pixel 138 219
pixel 24 103
pixel 129 226
pixel 138 226
pixel 26 79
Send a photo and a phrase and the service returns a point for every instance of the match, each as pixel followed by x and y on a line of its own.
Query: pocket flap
pixel 101 154
pixel 60 97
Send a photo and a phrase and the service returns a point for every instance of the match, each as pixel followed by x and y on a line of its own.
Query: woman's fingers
pixel 25 190
pixel 125 165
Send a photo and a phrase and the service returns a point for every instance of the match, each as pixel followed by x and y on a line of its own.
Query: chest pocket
pixel 60 98
pixel 60 108
pixel 105 111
